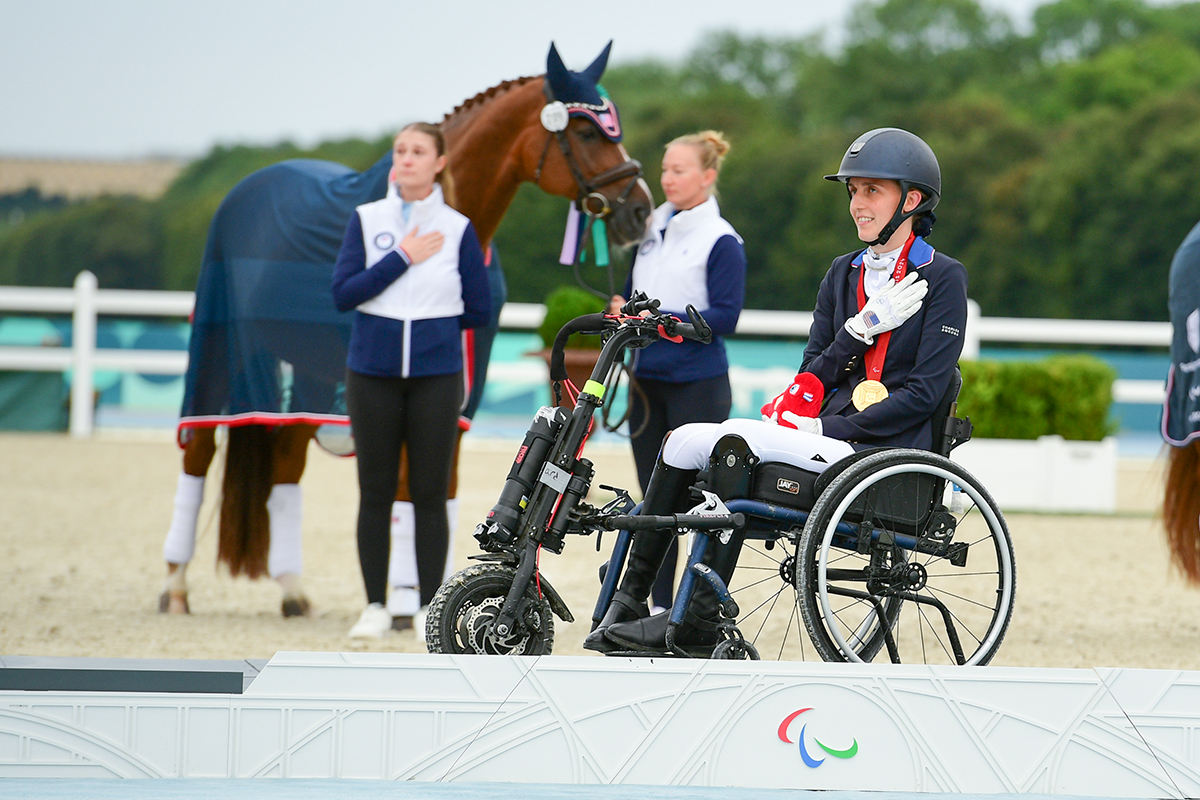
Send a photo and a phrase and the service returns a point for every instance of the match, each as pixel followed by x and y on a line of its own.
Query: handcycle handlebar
pixel 639 303
pixel 698 329
pixel 665 325
pixel 588 323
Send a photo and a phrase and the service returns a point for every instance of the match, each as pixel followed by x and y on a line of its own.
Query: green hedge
pixel 1066 395
pixel 563 305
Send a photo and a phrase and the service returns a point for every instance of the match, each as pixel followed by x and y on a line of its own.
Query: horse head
pixel 560 132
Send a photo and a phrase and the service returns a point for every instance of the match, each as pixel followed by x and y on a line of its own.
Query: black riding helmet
pixel 900 156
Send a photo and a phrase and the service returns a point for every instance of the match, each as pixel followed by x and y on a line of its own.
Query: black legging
pixel 672 405
pixel 385 413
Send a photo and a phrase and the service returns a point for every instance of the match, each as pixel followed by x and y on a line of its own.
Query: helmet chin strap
pixel 900 215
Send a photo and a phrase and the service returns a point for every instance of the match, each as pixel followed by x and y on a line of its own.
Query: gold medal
pixel 868 393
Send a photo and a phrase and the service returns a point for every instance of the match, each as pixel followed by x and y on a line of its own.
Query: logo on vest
pixel 646 247
pixel 385 240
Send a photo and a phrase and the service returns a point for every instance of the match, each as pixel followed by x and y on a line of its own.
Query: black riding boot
pixel 697 634
pixel 666 494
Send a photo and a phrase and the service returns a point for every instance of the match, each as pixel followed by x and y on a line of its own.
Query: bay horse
pixel 268 349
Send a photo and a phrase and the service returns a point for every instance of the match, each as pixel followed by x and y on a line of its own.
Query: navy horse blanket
pixel 1181 410
pixel 267 346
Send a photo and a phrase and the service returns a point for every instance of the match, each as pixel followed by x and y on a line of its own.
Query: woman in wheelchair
pixel 883 347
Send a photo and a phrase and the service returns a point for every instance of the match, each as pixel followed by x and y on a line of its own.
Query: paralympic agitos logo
pixel 807 757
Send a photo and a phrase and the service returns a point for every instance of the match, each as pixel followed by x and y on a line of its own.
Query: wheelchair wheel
pixel 461 613
pixel 892 565
pixel 765 587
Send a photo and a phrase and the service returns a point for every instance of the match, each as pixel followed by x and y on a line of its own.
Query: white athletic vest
pixel 674 267
pixel 428 290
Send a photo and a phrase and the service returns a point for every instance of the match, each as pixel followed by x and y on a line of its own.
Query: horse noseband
pixel 631 169
pixel 589 200
pixel 596 205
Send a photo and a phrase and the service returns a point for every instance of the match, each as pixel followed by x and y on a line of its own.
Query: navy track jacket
pixel 921 356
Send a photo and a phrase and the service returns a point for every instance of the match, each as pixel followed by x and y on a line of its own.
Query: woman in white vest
pixel 689 255
pixel 412 267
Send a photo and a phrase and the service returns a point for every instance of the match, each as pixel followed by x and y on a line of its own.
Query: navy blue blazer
pixel 921 355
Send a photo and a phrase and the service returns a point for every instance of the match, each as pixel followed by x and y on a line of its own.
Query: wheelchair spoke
pixel 793 623
pixel 963 625
pixel 759 582
pixel 770 616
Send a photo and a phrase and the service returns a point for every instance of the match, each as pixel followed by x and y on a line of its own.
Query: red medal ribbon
pixel 876 353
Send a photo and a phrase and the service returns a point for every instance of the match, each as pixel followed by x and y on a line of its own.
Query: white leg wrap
pixel 180 544
pixel 402 563
pixel 404 599
pixel 286 509
pixel 452 519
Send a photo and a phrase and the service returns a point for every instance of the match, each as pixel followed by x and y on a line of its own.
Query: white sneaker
pixel 374 623
pixel 419 623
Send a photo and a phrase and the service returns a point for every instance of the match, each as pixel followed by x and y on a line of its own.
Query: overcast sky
pixel 133 78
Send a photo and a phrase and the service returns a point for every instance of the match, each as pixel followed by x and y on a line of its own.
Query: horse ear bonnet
pixel 596 68
pixel 581 93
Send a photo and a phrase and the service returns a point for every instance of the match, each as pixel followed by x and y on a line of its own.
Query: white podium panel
pixel 565 720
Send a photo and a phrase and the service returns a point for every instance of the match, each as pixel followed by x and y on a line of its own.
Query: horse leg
pixel 180 543
pixel 404 601
pixel 285 508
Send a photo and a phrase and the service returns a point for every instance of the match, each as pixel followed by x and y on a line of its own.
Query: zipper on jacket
pixel 406 352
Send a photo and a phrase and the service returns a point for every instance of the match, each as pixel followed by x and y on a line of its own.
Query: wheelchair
pixel 890 554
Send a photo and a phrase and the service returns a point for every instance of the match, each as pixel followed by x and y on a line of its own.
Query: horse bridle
pixel 590 201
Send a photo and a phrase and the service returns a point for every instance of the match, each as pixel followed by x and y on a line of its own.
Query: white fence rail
pixel 85 302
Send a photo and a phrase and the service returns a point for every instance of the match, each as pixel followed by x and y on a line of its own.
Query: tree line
pixel 1069 151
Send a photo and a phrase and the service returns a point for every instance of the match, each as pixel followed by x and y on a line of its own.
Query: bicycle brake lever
pixel 703 329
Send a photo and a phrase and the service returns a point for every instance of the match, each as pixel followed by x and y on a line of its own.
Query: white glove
pixel 790 419
pixel 889 308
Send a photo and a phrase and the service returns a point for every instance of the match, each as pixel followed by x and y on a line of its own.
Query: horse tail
pixel 1181 509
pixel 245 534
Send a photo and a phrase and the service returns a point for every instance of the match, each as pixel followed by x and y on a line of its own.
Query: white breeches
pixel 689 446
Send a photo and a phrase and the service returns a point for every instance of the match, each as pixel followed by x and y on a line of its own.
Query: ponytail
pixel 711 146
pixel 923 224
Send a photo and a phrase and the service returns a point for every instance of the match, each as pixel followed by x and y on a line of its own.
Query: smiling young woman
pixel 881 353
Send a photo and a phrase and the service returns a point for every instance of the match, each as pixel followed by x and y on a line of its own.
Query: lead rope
pixel 636 393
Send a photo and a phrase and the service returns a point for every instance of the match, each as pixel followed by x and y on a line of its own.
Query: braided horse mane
pixel 461 111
